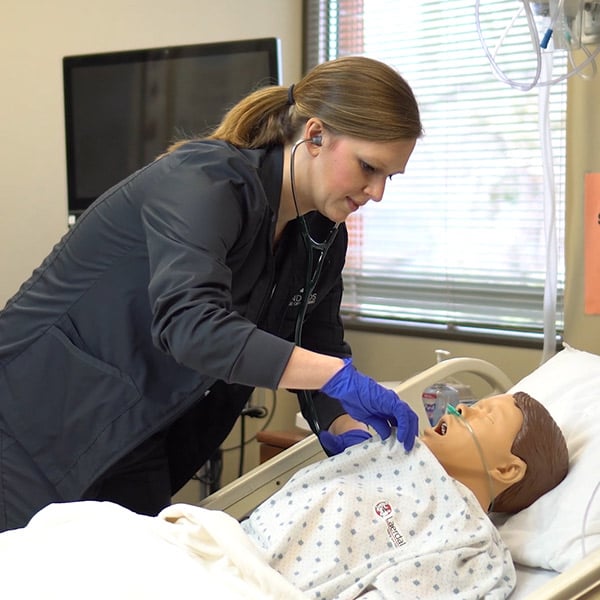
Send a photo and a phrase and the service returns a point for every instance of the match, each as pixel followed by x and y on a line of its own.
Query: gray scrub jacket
pixel 167 284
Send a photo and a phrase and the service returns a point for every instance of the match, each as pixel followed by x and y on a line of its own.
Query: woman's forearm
pixel 309 370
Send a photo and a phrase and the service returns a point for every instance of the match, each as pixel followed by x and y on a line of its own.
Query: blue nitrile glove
pixel 334 444
pixel 367 401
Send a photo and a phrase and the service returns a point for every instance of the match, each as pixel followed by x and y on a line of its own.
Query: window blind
pixel 457 245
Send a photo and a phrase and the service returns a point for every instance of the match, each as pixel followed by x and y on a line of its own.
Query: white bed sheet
pixel 101 551
pixel 529 580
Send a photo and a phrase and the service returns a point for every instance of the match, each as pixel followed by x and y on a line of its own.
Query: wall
pixel 34 36
pixel 583 156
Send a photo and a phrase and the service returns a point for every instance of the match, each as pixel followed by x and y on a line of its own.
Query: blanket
pixel 99 550
pixel 376 522
pixel 372 523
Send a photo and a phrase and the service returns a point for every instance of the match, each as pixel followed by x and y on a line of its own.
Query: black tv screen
pixel 122 109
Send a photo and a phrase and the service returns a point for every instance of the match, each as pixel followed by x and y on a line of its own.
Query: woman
pixel 130 352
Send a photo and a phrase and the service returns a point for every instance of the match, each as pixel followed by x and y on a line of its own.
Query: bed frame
pixel 241 496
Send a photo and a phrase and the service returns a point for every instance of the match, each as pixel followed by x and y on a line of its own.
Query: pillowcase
pixel 548 533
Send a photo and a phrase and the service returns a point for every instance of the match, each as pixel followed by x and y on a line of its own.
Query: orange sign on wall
pixel 592 243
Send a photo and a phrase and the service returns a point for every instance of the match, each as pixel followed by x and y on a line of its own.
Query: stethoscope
pixel 313 271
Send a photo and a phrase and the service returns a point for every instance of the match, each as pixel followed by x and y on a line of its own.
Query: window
pixel 458 245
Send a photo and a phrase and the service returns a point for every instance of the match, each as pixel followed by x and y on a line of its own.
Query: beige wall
pixel 583 156
pixel 36 34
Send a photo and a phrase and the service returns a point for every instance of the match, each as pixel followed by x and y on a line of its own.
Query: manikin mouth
pixel 441 428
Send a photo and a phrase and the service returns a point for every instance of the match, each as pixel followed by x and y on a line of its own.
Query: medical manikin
pixel 373 522
pixel 378 522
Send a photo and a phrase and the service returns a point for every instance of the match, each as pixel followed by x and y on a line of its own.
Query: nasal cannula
pixel 451 410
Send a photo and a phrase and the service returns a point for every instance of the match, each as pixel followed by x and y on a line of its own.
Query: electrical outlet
pixel 590 23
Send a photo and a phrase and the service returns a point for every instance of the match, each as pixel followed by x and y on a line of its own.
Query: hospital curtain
pixel 457 246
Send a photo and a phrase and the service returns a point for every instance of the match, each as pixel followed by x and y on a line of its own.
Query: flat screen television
pixel 122 109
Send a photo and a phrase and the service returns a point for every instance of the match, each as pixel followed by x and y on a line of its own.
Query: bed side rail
pixel 580 582
pixel 411 389
pixel 241 496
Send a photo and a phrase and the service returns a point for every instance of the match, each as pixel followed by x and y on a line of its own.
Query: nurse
pixel 128 355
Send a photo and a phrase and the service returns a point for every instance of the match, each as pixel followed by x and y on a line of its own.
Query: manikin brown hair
pixel 541 444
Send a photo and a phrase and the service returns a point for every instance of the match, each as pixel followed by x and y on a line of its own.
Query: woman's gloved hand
pixel 335 444
pixel 367 401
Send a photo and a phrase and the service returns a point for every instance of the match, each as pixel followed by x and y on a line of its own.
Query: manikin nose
pixel 456 412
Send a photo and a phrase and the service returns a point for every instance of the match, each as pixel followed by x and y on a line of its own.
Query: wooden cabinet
pixel 274 442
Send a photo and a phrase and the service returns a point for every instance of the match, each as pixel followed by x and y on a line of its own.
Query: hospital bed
pixel 555 556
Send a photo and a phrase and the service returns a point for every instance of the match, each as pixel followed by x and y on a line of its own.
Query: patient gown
pixel 377 522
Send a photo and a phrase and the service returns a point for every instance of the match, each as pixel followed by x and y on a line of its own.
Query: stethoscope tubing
pixel 305 397
pixel 311 279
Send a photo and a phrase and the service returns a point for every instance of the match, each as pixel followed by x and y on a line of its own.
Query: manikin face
pixel 347 172
pixel 495 421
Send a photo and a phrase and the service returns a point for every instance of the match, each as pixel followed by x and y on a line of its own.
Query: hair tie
pixel 291 100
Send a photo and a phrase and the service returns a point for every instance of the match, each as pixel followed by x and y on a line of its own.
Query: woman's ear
pixel 510 472
pixel 313 131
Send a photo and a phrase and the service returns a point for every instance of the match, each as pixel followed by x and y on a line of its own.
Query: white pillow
pixel 547 534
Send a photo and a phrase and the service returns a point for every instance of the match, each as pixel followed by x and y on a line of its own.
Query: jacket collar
pixel 270 171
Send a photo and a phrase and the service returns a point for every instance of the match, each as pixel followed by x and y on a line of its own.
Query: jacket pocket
pixel 66 407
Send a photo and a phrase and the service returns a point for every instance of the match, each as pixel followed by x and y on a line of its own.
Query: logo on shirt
pixel 385 512
pixel 297 298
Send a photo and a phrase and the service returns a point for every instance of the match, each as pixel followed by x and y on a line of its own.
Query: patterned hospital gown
pixel 377 522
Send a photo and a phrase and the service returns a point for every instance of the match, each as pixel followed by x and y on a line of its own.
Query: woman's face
pixel 347 172
pixel 494 421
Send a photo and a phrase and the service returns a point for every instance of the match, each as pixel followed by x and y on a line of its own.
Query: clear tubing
pixel 458 415
pixel 551 240
pixel 591 59
pixel 537 48
pixel 535 43
pixel 543 80
pixel 585 518
pixel 505 33
pixel 552 26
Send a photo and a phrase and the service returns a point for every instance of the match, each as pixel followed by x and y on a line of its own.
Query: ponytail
pixel 352 95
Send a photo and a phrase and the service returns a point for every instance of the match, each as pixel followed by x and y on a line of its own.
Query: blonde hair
pixel 353 95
